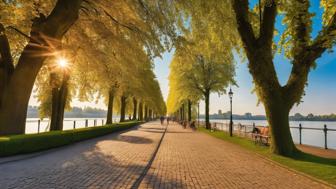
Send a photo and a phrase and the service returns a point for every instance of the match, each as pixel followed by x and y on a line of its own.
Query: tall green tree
pixel 243 24
pixel 46 32
pixel 303 50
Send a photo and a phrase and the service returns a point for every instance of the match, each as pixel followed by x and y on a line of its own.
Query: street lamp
pixel 198 114
pixel 231 122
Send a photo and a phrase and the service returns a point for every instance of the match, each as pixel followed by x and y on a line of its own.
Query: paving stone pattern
pixel 188 159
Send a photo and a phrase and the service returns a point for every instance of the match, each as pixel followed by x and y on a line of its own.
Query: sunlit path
pixel 112 161
pixel 188 159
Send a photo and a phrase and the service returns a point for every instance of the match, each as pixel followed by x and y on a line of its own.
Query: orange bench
pixel 260 135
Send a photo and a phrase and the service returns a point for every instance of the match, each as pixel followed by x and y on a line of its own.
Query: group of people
pixel 191 124
pixel 162 118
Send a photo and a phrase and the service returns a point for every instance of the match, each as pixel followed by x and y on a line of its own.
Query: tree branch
pixel 324 40
pixel 301 26
pixel 117 22
pixel 241 10
pixel 19 31
pixel 6 60
pixel 267 25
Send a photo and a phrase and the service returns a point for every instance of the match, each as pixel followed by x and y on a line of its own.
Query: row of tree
pixel 226 27
pixel 109 47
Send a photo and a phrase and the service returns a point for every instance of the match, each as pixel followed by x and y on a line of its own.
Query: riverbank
pixel 311 133
pixel 314 166
pixel 329 153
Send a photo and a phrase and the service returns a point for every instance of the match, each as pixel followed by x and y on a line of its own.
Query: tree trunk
pixel 122 108
pixel 183 113
pixel 6 61
pixel 207 119
pixel 189 111
pixel 59 97
pixel 150 114
pixel 146 112
pixel 140 111
pixel 277 116
pixel 135 104
pixel 46 34
pixel 63 98
pixel 110 108
pixel 54 108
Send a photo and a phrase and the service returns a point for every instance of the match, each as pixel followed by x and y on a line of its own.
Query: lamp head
pixel 230 93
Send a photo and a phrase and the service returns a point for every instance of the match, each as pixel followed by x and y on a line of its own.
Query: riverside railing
pixel 68 124
pixel 245 130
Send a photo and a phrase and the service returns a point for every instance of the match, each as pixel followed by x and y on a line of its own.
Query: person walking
pixel 161 119
pixel 168 119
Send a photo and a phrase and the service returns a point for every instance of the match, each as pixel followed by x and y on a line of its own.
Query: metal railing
pixel 244 130
pixel 75 124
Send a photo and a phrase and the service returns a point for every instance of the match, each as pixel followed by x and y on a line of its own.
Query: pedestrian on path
pixel 161 119
pixel 168 119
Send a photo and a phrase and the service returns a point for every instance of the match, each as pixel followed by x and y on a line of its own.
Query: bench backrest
pixel 264 131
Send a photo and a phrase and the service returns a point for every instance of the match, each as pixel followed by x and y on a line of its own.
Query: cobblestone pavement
pixel 186 159
pixel 112 161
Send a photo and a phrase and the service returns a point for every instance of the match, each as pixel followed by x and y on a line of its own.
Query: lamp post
pixel 231 122
pixel 198 114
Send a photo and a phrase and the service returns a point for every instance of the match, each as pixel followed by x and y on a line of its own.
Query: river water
pixel 309 137
pixel 69 123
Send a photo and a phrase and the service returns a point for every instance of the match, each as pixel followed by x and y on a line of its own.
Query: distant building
pixel 220 112
pixel 248 115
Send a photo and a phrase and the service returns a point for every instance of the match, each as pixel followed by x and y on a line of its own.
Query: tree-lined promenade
pixel 59 50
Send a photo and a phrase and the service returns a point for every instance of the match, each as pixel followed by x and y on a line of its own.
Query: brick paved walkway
pixel 188 159
pixel 185 159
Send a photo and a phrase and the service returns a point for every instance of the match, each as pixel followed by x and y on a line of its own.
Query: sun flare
pixel 62 62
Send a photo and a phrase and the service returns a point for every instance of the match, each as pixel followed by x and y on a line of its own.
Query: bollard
pixel 94 122
pixel 300 133
pixel 325 129
pixel 86 123
pixel 38 126
pixel 102 122
pixel 74 124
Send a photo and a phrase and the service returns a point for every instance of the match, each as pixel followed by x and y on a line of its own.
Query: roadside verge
pixel 28 143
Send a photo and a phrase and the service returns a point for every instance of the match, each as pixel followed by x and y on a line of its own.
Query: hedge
pixel 28 143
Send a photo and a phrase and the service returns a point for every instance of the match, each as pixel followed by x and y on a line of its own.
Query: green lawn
pixel 318 167
pixel 27 143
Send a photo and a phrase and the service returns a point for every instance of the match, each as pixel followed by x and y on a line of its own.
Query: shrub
pixel 27 143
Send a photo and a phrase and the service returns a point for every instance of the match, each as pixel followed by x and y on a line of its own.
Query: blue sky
pixel 320 92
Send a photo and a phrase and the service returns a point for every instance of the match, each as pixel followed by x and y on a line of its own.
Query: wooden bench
pixel 261 135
